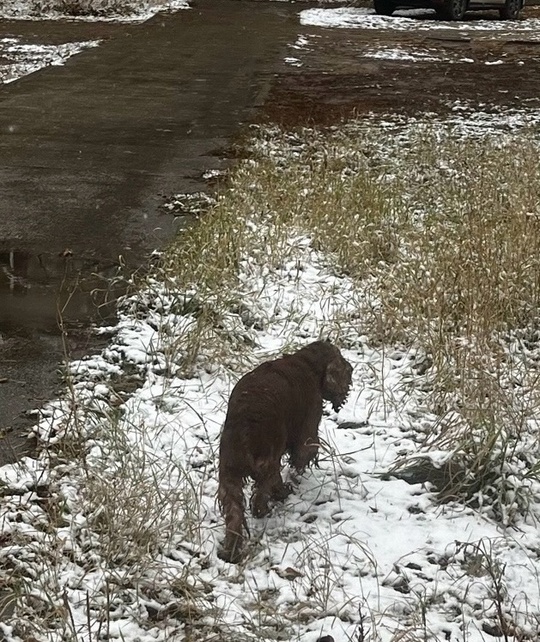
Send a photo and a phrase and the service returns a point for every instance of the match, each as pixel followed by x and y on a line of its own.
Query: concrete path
pixel 89 150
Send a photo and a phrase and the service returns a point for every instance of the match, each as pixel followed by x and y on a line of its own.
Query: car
pixel 452 9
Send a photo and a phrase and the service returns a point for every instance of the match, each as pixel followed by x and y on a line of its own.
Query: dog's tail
pixel 231 502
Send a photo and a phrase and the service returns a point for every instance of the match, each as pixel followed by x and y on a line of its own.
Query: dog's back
pixel 274 409
pixel 266 407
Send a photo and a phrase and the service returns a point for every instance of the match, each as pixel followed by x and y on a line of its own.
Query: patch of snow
pixel 301 42
pixel 128 11
pixel 295 62
pixel 475 120
pixel 20 59
pixel 402 53
pixel 363 18
pixel 414 54
pixel 470 120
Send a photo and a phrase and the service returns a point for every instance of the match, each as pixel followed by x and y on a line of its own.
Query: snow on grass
pixel 20 59
pixel 415 20
pixel 88 10
pixel 470 120
pixel 113 531
pixel 481 118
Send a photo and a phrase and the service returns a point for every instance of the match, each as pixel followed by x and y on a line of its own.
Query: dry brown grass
pixel 441 233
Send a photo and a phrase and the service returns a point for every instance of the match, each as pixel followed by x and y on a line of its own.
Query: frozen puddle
pixel 20 59
pixel 362 18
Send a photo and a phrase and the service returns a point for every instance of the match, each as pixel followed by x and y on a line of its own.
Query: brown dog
pixel 273 410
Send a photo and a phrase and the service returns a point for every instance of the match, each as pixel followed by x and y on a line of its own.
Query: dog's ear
pixel 334 375
pixel 337 381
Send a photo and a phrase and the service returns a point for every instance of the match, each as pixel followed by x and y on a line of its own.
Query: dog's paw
pixel 233 556
pixel 280 494
pixel 232 549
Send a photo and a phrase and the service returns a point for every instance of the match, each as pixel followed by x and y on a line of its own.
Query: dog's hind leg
pixel 231 501
pixel 301 455
pixel 268 486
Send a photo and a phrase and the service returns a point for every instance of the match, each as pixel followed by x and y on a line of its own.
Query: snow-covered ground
pixel 410 20
pixel 104 10
pixel 20 59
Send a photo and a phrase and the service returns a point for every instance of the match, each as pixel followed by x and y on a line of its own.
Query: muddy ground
pixel 100 143
pixel 337 80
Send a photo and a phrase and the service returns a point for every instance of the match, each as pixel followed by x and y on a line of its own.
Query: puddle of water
pixel 38 291
pixel 48 304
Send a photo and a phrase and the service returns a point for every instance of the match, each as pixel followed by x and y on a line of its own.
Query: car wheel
pixel 455 9
pixel 384 7
pixel 511 10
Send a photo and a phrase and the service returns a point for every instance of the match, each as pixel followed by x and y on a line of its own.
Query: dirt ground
pixel 337 80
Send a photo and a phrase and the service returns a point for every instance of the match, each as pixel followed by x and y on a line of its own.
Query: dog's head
pixel 337 380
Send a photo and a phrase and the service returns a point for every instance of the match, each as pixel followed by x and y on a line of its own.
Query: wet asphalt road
pixel 90 150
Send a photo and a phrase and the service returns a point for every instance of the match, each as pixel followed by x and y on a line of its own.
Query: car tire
pixel 455 9
pixel 384 7
pixel 511 10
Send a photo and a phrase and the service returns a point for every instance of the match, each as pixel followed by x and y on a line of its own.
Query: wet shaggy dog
pixel 273 410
